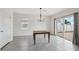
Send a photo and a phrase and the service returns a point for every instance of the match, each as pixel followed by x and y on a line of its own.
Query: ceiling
pixel 36 11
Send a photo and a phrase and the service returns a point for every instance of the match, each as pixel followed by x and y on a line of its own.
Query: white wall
pixel 5 26
pixel 34 24
pixel 61 14
pixel 51 25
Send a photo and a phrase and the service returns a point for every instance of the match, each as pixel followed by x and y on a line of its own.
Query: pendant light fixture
pixel 40 15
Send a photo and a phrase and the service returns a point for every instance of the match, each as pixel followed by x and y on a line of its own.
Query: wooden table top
pixel 40 31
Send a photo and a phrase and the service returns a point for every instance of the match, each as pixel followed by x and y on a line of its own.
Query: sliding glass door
pixel 64 27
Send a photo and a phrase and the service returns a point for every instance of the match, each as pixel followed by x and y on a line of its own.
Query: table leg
pixel 48 37
pixel 44 35
pixel 34 39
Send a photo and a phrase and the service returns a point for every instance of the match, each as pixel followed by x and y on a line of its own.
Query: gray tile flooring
pixel 25 43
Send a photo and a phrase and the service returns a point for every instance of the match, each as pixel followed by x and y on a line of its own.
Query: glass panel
pixel 60 27
pixel 69 27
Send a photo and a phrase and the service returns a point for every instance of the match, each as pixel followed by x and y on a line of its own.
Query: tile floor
pixel 25 43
